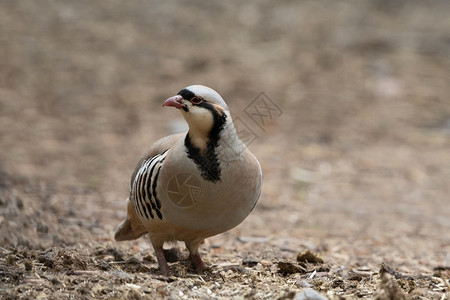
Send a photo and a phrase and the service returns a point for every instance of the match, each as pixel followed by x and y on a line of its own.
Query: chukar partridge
pixel 193 185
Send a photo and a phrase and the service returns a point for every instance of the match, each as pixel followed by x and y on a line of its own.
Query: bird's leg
pixel 197 262
pixel 194 256
pixel 159 251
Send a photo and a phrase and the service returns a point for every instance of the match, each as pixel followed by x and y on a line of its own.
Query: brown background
pixel 357 168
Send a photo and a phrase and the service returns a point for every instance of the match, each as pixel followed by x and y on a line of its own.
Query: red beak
pixel 174 101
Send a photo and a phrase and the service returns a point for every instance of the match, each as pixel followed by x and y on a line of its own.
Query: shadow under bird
pixel 193 185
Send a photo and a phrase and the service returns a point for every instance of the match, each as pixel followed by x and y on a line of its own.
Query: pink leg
pixel 197 262
pixel 161 260
pixel 194 256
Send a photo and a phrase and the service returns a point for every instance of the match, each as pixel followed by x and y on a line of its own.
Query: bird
pixel 192 185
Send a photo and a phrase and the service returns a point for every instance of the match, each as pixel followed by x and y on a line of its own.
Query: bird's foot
pixel 198 263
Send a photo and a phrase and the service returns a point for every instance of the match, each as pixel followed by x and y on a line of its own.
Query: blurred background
pixel 357 164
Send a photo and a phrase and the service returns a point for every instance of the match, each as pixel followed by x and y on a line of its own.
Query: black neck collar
pixel 206 160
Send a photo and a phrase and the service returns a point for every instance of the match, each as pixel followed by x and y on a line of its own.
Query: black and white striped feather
pixel 143 189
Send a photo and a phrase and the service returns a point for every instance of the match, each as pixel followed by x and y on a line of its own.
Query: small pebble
pixel 266 263
pixel 309 294
pixel 250 261
pixel 302 283
pixel 253 239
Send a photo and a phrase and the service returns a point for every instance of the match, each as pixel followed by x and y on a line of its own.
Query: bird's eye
pixel 196 100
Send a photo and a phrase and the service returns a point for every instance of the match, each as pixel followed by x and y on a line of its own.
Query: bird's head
pixel 203 109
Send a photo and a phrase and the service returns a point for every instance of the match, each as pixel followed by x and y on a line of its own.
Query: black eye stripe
pixel 208 106
pixel 186 94
pixel 190 96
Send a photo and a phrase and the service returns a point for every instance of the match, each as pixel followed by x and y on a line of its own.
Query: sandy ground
pixel 356 157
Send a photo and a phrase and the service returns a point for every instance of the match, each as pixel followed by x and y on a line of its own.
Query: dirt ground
pixel 355 199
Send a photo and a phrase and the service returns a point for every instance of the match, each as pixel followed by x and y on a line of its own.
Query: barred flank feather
pixel 143 191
